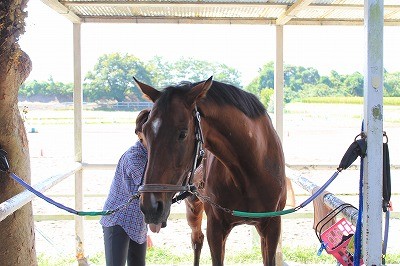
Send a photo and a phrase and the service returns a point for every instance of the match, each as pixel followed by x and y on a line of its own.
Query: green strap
pixel 96 213
pixel 262 214
pixel 108 212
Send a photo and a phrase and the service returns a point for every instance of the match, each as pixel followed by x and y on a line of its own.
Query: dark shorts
pixel 119 248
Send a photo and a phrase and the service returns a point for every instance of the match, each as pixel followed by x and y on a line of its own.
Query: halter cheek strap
pixel 199 153
pixel 197 157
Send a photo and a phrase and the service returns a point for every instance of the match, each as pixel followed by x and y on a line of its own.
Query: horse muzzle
pixel 155 207
pixel 156 200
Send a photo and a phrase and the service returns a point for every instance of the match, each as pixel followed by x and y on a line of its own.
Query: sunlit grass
pixel 349 100
pixel 155 255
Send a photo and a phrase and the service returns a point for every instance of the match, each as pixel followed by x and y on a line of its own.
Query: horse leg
pixel 194 216
pixel 269 232
pixel 216 237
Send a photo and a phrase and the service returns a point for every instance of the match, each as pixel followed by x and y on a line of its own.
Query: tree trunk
pixel 17 241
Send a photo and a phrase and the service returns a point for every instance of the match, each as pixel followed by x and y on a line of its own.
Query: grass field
pixel 163 256
pixel 349 100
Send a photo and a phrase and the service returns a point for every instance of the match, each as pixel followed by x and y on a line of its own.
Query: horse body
pixel 243 167
pixel 242 172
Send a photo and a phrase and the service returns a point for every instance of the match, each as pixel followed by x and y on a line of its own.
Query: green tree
pixel 265 96
pixel 318 90
pixel 325 80
pixel 160 72
pixel 335 78
pixel 112 78
pixel 265 79
pixel 391 84
pixel 28 89
pixel 190 69
pixel 309 75
pixel 295 80
pixel 354 84
pixel 49 90
pixel 297 76
pixel 164 73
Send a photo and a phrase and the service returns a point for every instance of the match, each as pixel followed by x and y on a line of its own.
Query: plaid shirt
pixel 127 179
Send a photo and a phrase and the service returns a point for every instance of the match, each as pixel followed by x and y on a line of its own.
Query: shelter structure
pixel 372 14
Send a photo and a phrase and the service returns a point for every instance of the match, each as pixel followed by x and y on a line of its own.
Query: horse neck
pixel 231 136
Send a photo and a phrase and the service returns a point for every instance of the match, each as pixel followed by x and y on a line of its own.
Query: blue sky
pixel 48 41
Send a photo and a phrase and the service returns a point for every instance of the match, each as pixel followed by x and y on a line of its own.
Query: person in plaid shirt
pixel 125 231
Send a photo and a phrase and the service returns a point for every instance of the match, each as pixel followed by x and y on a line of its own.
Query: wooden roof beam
pixel 62 10
pixel 292 11
pixel 169 4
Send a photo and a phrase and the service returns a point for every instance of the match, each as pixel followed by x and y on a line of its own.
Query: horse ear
pixel 199 91
pixel 150 93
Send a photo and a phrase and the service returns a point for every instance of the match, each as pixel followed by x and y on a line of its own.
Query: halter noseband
pixel 197 157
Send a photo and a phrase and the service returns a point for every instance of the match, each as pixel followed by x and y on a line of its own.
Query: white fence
pixel 18 201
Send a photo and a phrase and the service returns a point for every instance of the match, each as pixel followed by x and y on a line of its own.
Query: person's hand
pixel 155 228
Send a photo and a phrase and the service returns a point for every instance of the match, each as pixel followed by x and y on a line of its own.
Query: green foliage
pixel 190 69
pixel 112 78
pixel 265 79
pixel 48 90
pixel 160 72
pixel 391 84
pixel 265 96
pixel 301 82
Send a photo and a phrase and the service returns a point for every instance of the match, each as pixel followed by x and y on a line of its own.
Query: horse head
pixel 171 143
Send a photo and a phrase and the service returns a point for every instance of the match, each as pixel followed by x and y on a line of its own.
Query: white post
pixel 278 107
pixel 78 102
pixel 279 81
pixel 373 122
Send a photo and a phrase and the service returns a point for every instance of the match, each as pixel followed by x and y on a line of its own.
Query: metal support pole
pixel 373 122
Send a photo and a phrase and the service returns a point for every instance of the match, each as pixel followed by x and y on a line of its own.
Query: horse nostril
pixel 160 207
pixel 151 205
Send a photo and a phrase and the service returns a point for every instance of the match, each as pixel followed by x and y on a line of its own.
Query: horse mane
pixel 227 94
pixel 220 94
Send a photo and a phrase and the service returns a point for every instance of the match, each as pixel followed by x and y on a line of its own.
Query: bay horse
pixel 243 168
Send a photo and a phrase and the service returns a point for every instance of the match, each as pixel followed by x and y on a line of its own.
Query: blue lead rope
pixel 284 212
pixel 5 167
pixel 357 235
pixel 68 209
pixel 320 190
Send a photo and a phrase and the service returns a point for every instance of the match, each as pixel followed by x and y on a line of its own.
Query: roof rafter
pixel 61 9
pixel 170 4
pixel 292 11
pixel 180 20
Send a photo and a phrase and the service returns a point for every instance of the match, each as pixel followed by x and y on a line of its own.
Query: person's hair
pixel 141 119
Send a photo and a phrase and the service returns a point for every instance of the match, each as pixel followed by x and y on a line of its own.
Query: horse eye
pixel 182 134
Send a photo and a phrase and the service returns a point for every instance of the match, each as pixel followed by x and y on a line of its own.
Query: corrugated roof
pixel 290 12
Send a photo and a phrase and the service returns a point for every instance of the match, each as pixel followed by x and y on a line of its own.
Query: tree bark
pixel 17 244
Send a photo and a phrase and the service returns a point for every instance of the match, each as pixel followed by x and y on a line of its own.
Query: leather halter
pixel 197 157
